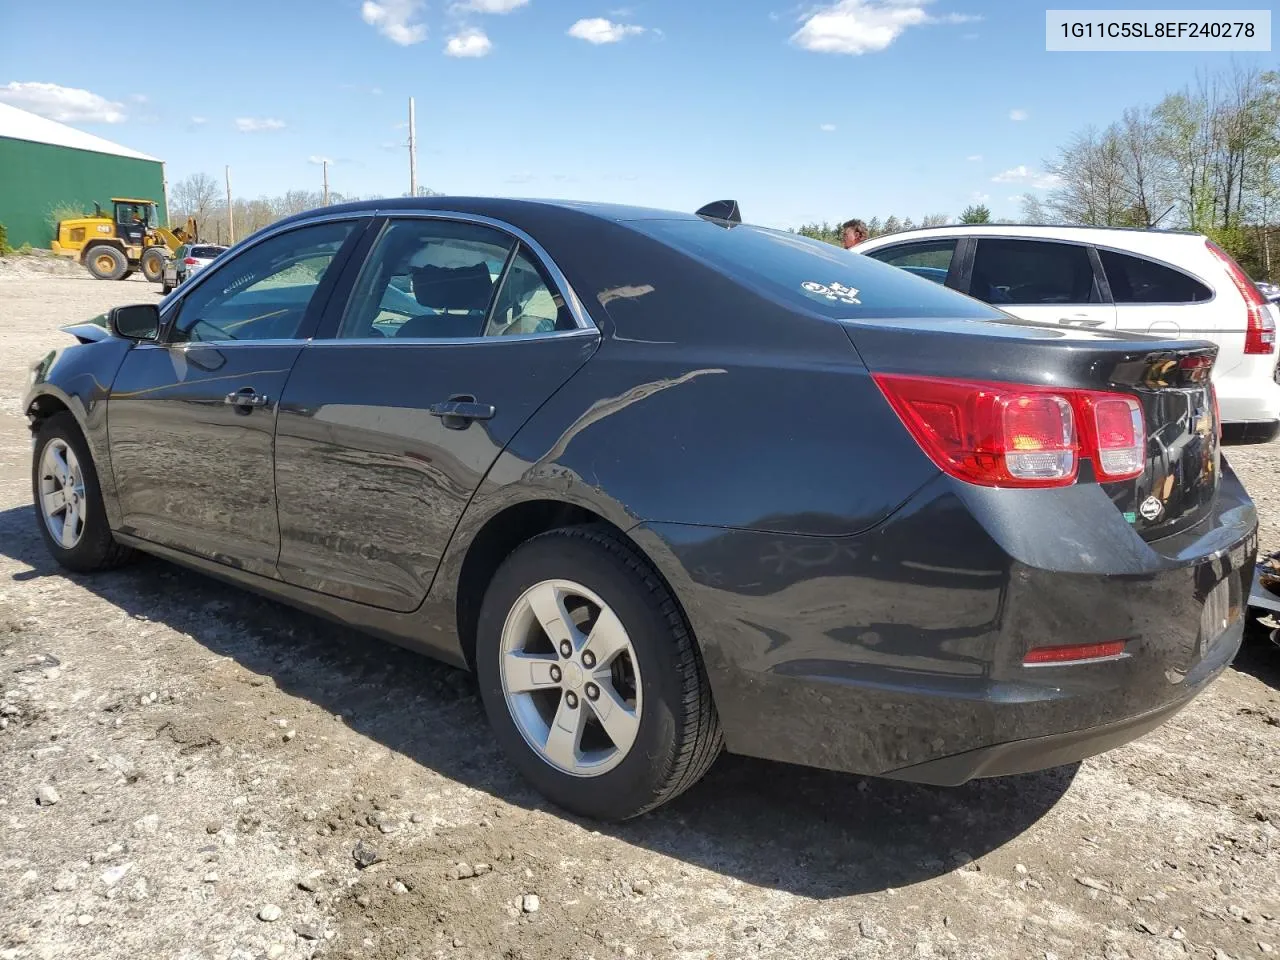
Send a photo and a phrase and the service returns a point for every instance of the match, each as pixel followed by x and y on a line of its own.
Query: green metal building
pixel 45 165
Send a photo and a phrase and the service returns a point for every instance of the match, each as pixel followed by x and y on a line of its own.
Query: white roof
pixel 21 125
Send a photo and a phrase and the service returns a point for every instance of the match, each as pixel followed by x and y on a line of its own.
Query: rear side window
pixel 205 253
pixel 930 259
pixel 811 275
pixel 1139 280
pixel 1032 272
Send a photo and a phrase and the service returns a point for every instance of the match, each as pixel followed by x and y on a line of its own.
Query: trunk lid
pixel 1171 380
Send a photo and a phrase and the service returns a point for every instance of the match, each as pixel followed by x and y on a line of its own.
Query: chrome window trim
pixel 426 341
pixel 186 345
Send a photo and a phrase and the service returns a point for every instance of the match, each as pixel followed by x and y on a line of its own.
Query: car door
pixel 191 418
pixel 1043 280
pixel 454 333
pixel 935 260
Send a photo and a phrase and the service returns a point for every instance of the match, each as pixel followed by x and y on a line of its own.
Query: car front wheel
pixel 591 678
pixel 68 500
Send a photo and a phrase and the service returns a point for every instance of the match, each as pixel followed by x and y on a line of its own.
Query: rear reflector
pixel 191 261
pixel 1074 652
pixel 1260 335
pixel 1015 435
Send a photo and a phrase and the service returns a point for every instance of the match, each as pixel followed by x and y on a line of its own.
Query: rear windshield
pixel 206 253
pixel 812 275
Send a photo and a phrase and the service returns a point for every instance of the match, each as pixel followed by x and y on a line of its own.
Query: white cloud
pixel 974 158
pixel 199 121
pixel 599 30
pixel 1024 174
pixel 979 197
pixel 489 6
pixel 318 160
pixel 865 26
pixel 138 97
pixel 64 104
pixel 469 43
pixel 828 128
pixel 258 124
pixel 395 20
pixel 1018 115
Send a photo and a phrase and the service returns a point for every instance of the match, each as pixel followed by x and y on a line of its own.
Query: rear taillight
pixel 1260 334
pixel 191 261
pixel 1015 435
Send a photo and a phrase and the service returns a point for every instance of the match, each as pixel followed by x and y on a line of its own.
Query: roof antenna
pixel 725 211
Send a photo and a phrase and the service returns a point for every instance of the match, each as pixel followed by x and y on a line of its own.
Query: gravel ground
pixel 187 771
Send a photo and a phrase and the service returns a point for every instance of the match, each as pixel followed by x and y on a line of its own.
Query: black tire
pixel 97 548
pixel 678 737
pixel 106 262
pixel 152 264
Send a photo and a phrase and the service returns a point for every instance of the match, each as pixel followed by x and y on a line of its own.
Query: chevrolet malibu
pixel 670 484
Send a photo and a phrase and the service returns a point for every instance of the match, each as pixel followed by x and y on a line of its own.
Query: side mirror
pixel 139 321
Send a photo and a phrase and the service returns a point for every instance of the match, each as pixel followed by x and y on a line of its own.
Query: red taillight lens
pixel 1012 435
pixel 1074 652
pixel 1260 335
pixel 191 261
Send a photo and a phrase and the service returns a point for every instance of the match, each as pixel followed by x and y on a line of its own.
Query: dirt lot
pixel 217 760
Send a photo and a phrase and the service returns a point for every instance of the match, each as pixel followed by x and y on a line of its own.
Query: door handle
pixel 458 411
pixel 247 397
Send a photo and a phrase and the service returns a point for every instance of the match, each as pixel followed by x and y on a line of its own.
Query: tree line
pixel 202 197
pixel 1206 158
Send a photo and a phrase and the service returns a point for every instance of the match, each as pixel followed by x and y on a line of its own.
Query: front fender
pixel 78 378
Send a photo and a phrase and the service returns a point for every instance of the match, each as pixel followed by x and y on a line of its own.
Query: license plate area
pixel 1223 606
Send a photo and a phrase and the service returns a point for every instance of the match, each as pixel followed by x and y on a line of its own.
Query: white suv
pixel 1161 282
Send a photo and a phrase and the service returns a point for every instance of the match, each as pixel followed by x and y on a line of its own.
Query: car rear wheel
pixel 68 499
pixel 591 678
pixel 106 263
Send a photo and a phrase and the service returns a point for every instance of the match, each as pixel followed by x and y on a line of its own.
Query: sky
pixel 822 111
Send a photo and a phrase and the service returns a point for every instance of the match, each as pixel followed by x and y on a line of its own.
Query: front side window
pixel 930 259
pixel 262 293
pixel 1139 280
pixel 427 279
pixel 1032 272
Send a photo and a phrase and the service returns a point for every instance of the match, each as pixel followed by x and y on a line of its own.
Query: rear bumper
pixel 1056 749
pixel 899 652
pixel 1251 399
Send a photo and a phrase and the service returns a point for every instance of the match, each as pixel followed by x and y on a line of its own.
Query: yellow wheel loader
pixel 113 247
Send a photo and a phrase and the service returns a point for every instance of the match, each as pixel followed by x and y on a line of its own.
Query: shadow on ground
pixel 808 832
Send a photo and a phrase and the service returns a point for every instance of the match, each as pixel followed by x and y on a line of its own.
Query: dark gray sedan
pixel 669 483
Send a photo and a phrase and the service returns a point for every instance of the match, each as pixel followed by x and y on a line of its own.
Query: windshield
pixel 811 275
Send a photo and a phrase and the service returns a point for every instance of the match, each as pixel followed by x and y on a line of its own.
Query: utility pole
pixel 231 217
pixel 413 152
pixel 325 165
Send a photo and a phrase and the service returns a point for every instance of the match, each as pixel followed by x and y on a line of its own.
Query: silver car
pixel 186 261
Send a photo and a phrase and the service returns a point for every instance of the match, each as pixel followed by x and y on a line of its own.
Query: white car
pixel 1162 282
pixel 188 260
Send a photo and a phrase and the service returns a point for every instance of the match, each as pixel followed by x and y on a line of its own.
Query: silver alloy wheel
pixel 62 501
pixel 571 678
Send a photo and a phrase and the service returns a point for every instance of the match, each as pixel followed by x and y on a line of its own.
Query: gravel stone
pixel 47 796
pixel 65 881
pixel 365 855
pixel 270 913
pixel 530 903
pixel 308 931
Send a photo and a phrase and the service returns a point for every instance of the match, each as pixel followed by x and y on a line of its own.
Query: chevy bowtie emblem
pixel 1151 508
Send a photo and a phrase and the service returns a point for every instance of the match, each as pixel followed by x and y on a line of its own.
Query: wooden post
pixel 231 217
pixel 413 152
